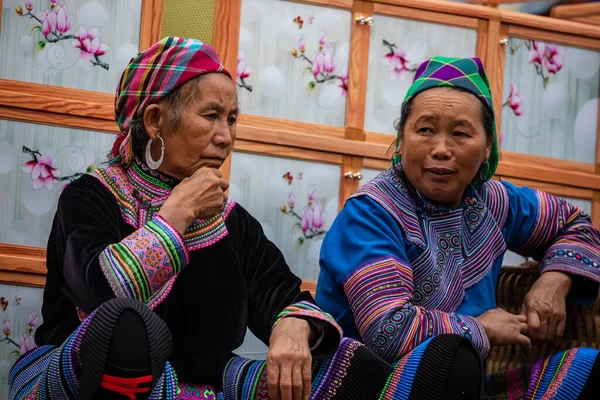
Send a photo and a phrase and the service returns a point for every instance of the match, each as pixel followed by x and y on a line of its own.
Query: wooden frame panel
pixel 425 16
pixel 376 163
pixel 495 59
pixel 287 152
pixel 348 185
pixel 56 119
pixel 506 16
pixel 309 141
pixel 563 165
pixel 554 37
pixel 558 190
pixel 358 70
pixel 292 127
pixel 568 11
pixel 35 96
pixel 227 32
pixel 343 4
pixel 22 265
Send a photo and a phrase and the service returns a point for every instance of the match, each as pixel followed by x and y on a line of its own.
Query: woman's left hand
pixel 289 362
pixel 545 307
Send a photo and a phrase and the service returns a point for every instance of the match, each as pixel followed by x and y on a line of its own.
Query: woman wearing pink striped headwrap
pixel 152 269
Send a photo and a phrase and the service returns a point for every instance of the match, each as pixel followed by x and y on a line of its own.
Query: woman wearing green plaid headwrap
pixel 417 252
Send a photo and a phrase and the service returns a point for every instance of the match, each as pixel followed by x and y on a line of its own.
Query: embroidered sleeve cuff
pixel 478 337
pixel 143 262
pixel 573 259
pixel 330 333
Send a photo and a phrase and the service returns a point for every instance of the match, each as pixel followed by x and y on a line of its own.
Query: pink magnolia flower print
pixel 32 321
pixel 63 19
pixel 301 44
pixel 321 65
pixel 514 100
pixel 312 193
pixel 306 219
pixel 26 343
pixel 48 22
pixel 311 219
pixel 90 46
pixel 547 55
pixel 42 172
pixel 553 58
pixel 317 215
pixel 344 81
pixel 55 23
pixel 397 63
pixel 322 40
pixel 6 327
pixel 243 72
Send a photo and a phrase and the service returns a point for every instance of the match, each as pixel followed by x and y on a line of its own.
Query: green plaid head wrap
pixel 464 73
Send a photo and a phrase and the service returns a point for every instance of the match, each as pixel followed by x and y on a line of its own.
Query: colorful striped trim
pixel 143 262
pixel 305 309
pixel 474 231
pixel 575 242
pixel 399 384
pixel 390 323
pixel 140 192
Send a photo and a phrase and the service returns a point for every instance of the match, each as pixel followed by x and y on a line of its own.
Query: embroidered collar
pixel 140 192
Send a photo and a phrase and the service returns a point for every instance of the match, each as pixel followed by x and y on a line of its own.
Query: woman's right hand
pixel 504 328
pixel 202 195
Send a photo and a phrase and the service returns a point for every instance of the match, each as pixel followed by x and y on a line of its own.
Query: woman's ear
pixel 153 120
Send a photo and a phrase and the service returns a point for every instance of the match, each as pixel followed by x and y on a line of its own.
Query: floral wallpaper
pixel 20 311
pixel 550 103
pixel 398 46
pixel 295 202
pixel 81 44
pixel 293 61
pixel 36 163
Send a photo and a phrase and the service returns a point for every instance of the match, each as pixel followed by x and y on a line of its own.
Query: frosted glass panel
pixel 550 100
pixel 368 175
pixel 20 310
pixel 398 46
pixel 293 60
pixel 295 202
pixel 84 44
pixel 36 163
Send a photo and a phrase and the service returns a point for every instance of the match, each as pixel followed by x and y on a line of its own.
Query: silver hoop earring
pixel 149 161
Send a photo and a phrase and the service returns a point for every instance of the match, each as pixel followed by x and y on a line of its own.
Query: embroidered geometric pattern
pixel 571 252
pixel 459 246
pixel 52 372
pixel 140 192
pixel 390 323
pixel 141 264
pixel 145 264
pixel 560 376
pixel 306 309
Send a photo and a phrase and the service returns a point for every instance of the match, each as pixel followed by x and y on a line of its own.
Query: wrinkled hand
pixel 545 307
pixel 503 328
pixel 201 195
pixel 289 362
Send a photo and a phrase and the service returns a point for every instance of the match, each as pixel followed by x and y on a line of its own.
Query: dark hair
pixel 176 102
pixel 486 115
